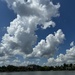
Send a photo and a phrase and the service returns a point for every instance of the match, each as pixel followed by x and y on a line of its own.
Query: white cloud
pixel 48 47
pixel 68 58
pixel 25 63
pixel 72 43
pixel 21 37
pixel 39 8
pixel 48 24
pixel 44 10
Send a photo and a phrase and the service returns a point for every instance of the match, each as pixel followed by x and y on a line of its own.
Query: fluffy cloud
pixel 49 46
pixel 44 10
pixel 21 37
pixel 39 8
pixel 68 58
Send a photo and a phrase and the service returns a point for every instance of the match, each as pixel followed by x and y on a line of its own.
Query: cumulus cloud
pixel 49 46
pixel 44 10
pixel 21 37
pixel 68 58
pixel 39 8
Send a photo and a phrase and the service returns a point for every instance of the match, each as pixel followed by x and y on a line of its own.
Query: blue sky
pixel 65 22
pixel 6 16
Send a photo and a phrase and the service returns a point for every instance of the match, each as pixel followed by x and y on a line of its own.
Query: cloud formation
pixel 68 58
pixel 21 37
pixel 48 47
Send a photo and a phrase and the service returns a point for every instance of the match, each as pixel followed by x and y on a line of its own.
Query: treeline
pixel 11 68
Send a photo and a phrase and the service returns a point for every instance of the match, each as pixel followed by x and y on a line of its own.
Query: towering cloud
pixel 21 37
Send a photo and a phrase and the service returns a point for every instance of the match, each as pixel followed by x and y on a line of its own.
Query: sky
pixel 37 32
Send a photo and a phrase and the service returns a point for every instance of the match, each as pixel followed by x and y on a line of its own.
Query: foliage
pixel 11 68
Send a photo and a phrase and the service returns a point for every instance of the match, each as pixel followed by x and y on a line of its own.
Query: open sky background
pixel 65 22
